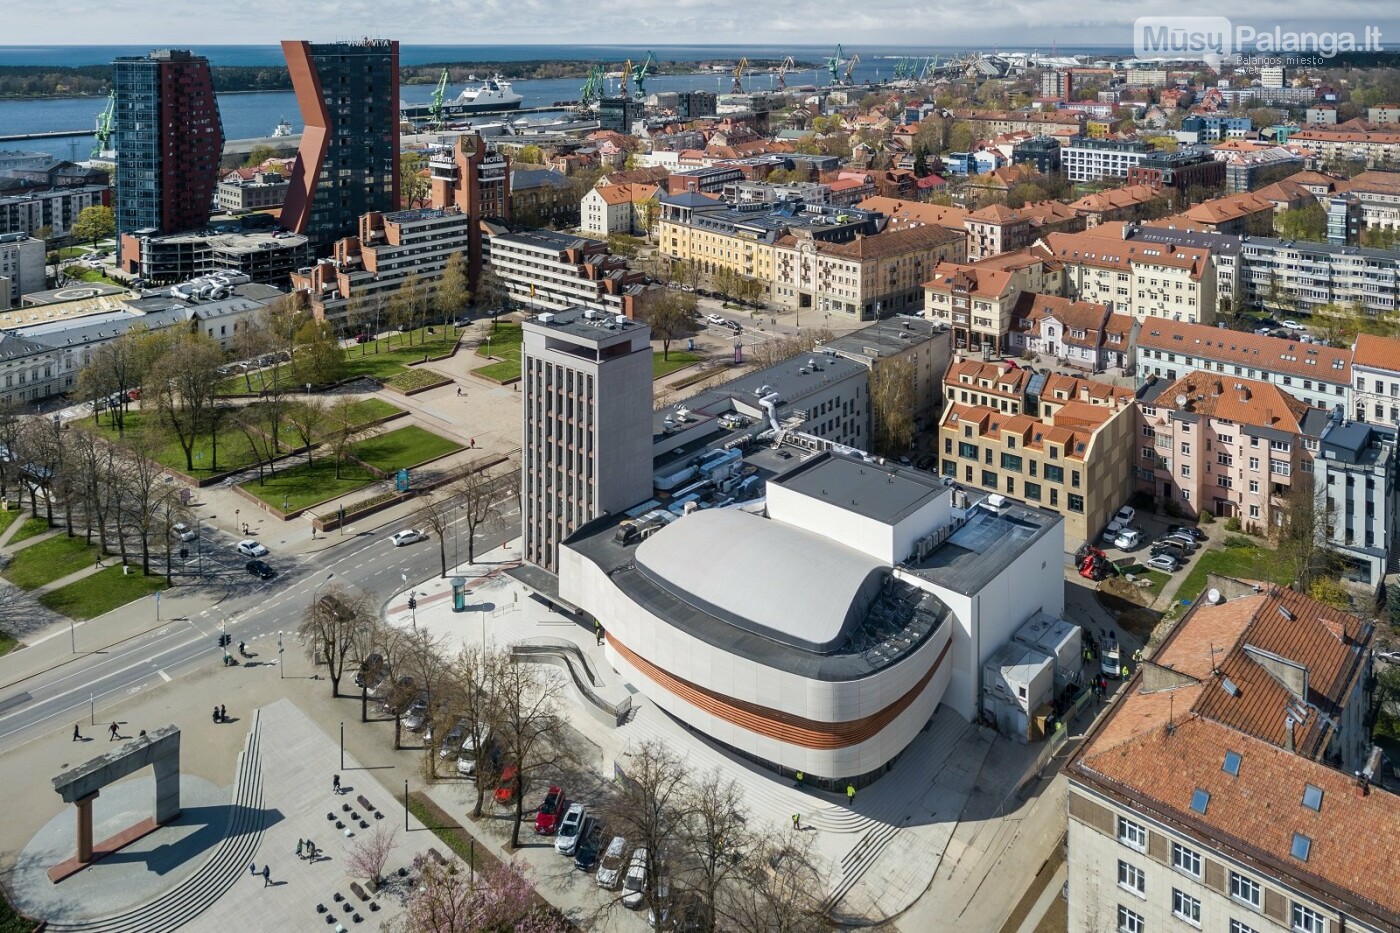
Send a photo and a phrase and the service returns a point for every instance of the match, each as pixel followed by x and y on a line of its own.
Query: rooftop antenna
pixel 1171 706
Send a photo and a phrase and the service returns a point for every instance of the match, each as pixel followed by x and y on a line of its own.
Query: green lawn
pixel 679 360
pixel 90 275
pixel 299 486
pixel 7 644
pixel 369 409
pixel 1247 563
pixel 503 343
pixel 394 354
pixel 48 560
pixel 102 592
pixel 502 372
pixel 32 528
pixel 405 447
pixel 233 448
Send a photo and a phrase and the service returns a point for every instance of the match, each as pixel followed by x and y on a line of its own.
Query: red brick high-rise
pixel 476 180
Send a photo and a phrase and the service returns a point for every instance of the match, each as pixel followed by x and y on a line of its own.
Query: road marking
pixel 164 676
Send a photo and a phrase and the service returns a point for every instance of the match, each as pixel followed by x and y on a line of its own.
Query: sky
pixel 902 23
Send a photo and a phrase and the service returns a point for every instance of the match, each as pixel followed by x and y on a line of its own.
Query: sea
pixel 248 115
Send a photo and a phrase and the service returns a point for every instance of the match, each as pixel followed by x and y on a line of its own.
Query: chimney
pixel 1288 733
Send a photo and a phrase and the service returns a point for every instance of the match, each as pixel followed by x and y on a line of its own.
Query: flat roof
pixel 549 239
pixel 595 326
pixel 988 543
pixel 892 334
pixel 882 492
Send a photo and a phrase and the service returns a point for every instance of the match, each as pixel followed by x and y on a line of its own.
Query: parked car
pixel 659 913
pixel 1122 518
pixel 371 669
pixel 416 716
pixel 590 842
pixel 451 743
pixel 1128 539
pixel 634 883
pixel 1191 530
pixel 1168 549
pixel 612 863
pixel 547 819
pixel 505 787
pixel 407 536
pixel 715 319
pixel 1164 563
pixel 569 827
pixel 260 569
pixel 362 338
pixel 251 548
pixel 1185 542
pixel 1292 325
pixel 183 532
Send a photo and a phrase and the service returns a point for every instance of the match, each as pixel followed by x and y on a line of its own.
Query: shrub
pixel 1171 508
pixel 1207 518
pixel 1237 541
pixel 1232 523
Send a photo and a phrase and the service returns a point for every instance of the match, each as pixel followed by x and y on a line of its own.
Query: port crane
pixel 930 69
pixel 592 86
pixel 850 68
pixel 639 74
pixel 103 130
pixel 435 109
pixel 788 62
pixel 624 88
pixel 833 66
pixel 739 75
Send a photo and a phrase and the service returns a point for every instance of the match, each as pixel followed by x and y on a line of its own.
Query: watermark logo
pixel 1216 40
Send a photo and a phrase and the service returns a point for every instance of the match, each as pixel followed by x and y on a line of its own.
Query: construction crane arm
pixel 739 75
pixel 851 66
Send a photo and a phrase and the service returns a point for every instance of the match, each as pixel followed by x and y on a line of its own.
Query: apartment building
pixel 1180 171
pixel 1145 280
pixel 1087 159
pixel 369 269
pixel 1078 333
pixel 1246 171
pixel 697 228
pixel 1375 367
pixel 1346 141
pixel 924 346
pixel 266 258
pixel 1000 387
pixel 1227 445
pixel 262 191
pixel 989 123
pixel 1068 450
pixel 1212 128
pixel 1355 471
pixel 997 229
pixel 21 268
pixel 1041 152
pixel 1230 788
pixel 57 209
pixel 617 209
pixel 545 270
pixel 865 278
pixel 1249 213
pixel 1379 197
pixel 1224 254
pixel 1313 373
pixel 542 197
pixel 1131 203
pixel 978 304
pixel 1294 275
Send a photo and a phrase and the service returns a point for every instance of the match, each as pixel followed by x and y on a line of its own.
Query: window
pixel 989 479
pixel 1185 471
pixel 1011 462
pixel 1186 907
pixel 1254 511
pixel 1133 835
pixel 1312 797
pixel 1186 447
pixel 1054 498
pixel 1054 474
pixel 1129 922
pixel 1254 463
pixel 1254 485
pixel 1232 764
pixel 1226 438
pixel 1131 878
pixel 1237 927
pixel 1186 860
pixel 967 451
pixel 1307 920
pixel 1147 453
pixel 1033 490
pixel 1245 890
pixel 1302 845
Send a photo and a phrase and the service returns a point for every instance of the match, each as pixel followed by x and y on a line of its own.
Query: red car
pixel 547 819
pixel 505 788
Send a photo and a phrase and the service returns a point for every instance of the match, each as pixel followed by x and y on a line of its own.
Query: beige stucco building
pixel 1138 278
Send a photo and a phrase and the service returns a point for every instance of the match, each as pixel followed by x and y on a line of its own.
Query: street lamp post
pixel 281 668
pixel 72 636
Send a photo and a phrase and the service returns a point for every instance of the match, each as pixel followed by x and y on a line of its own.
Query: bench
pixel 364 804
pixel 358 891
pixel 437 856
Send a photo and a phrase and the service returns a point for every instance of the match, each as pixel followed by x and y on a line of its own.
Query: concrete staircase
pixel 199 891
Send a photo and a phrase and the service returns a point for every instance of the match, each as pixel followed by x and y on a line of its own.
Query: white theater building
pixel 822 636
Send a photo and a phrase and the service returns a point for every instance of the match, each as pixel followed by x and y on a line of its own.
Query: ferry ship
pixel 490 95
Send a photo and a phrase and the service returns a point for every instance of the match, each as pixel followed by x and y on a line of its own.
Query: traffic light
pixel 412 602
pixel 184 553
pixel 224 639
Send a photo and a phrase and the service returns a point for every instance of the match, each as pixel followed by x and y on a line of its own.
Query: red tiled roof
pixel 1376 352
pixel 951 276
pixel 1231 398
pixel 1257 351
pixel 1092 249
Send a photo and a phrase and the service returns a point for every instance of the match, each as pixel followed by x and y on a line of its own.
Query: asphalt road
pixel 247 608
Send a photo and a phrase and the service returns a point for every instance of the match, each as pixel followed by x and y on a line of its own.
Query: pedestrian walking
pixel 335 784
pixel 797 821
pixel 216 709
pixel 800 778
pixel 850 793
pixel 267 876
pixel 112 732
pixel 459 391
pixel 1137 656
pixel 77 736
pixel 300 846
pixel 252 868
pixel 223 713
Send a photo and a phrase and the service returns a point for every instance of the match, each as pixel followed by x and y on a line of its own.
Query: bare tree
pixel 306 417
pixel 528 705
pixel 183 385
pixel 40 454
pixel 652 805
pixel 139 489
pixel 99 468
pixel 252 422
pixel 113 370
pixel 892 404
pixel 478 493
pixel 11 424
pixel 671 314
pixel 475 673
pixel 343 429
pixel 332 628
pixel 421 656
pixel 436 515
pixel 780 889
pixel 714 833
pixel 370 853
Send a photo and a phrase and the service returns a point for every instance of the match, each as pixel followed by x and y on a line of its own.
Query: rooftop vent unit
pixel 592 314
pixel 546 317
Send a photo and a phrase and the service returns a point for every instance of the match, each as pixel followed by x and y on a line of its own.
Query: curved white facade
pixel 837 729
